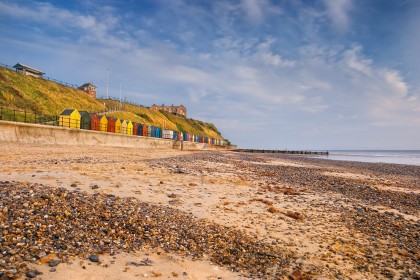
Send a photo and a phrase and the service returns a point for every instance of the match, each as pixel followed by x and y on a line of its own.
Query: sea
pixel 410 157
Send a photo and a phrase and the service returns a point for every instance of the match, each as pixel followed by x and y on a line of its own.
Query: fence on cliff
pixel 27 117
pixel 43 77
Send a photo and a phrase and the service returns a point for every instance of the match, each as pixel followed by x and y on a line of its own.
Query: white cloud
pixel 354 60
pixel 264 54
pixel 395 82
pixel 253 9
pixel 258 11
pixel 338 12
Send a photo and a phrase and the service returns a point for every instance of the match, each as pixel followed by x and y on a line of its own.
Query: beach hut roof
pixel 67 112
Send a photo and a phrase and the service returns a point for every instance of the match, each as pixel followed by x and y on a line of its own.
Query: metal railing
pixel 45 78
pixel 27 117
pixel 122 101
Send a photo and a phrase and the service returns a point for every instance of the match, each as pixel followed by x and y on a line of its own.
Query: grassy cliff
pixel 18 91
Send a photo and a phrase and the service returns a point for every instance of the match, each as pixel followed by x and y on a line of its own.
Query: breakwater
pixel 282 152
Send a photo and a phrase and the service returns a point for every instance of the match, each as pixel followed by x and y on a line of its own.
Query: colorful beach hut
pixel 140 129
pixel 103 123
pixel 84 120
pixel 129 128
pixel 111 124
pixel 118 128
pixel 135 128
pixel 124 127
pixel 69 118
pixel 145 129
pixel 94 121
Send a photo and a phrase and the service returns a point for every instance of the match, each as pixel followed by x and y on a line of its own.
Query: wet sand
pixel 313 218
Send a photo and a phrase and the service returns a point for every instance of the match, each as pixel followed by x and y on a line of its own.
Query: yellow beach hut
pixel 130 128
pixel 118 126
pixel 124 127
pixel 70 118
pixel 103 123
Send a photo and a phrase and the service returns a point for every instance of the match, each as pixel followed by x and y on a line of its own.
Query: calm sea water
pixel 385 156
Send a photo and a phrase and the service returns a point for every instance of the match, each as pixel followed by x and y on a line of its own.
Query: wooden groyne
pixel 325 153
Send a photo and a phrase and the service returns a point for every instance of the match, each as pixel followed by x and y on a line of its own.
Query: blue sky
pixel 314 74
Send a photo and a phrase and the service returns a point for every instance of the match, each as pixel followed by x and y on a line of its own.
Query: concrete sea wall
pixel 42 134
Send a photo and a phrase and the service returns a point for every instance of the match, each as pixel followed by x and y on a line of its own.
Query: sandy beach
pixel 203 215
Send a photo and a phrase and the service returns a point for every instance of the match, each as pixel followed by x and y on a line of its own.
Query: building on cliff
pixel 176 110
pixel 89 88
pixel 21 68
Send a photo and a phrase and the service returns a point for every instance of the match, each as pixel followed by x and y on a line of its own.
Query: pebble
pixel 53 263
pixel 94 258
pixel 355 201
pixel 82 222
pixel 31 274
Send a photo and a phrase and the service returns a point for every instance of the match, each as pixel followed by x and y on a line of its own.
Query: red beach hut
pixel 145 130
pixel 94 121
pixel 111 125
pixel 135 129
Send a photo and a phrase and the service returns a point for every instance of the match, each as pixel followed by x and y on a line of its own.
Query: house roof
pixel 20 66
pixel 87 85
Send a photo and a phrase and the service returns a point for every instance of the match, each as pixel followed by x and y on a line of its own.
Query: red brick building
pixel 176 110
pixel 89 89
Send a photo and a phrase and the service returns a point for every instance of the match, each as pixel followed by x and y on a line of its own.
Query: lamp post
pixel 120 98
pixel 107 81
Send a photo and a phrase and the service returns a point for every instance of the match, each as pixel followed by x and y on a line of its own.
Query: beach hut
pixel 135 128
pixel 129 128
pixel 124 127
pixel 140 129
pixel 167 134
pixel 145 129
pixel 103 123
pixel 94 121
pixel 84 120
pixel 111 125
pixel 69 118
pixel 149 131
pixel 118 128
pixel 158 132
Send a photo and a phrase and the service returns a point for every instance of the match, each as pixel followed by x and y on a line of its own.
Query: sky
pixel 270 74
